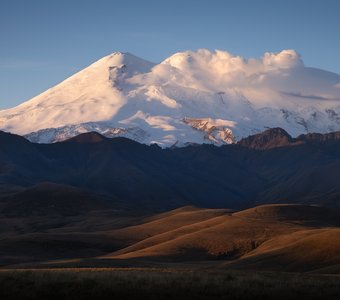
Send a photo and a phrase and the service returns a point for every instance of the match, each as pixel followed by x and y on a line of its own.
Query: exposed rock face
pixel 215 131
pixel 278 137
pixel 271 138
pixel 319 137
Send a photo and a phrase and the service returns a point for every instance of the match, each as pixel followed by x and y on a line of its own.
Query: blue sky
pixel 42 42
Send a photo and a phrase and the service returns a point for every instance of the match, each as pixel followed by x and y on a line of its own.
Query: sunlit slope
pixel 241 237
pixel 305 250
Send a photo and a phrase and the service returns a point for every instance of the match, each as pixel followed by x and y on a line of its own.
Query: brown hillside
pixel 260 237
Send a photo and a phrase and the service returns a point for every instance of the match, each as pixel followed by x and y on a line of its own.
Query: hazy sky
pixel 43 41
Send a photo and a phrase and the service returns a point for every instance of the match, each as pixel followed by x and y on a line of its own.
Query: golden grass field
pixel 271 237
pixel 278 251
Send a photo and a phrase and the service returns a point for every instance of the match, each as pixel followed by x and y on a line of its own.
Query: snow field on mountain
pixel 191 97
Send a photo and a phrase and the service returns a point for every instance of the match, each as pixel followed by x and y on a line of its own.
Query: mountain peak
pixel 271 138
pixel 7 138
pixel 87 138
pixel 118 58
pixel 121 53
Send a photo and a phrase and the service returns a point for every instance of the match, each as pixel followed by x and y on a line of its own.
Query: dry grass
pixel 163 284
pixel 168 221
pixel 296 238
pixel 303 250
pixel 255 233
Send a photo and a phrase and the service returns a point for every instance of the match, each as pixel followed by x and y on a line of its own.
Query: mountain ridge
pixel 139 175
pixel 278 137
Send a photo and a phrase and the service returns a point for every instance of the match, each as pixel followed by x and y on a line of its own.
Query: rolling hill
pixel 270 237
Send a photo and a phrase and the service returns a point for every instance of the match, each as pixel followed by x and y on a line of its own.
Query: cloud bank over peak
pixel 218 70
pixel 223 62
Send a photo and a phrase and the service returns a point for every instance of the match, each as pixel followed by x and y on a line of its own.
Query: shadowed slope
pixel 296 213
pixel 161 179
pixel 50 199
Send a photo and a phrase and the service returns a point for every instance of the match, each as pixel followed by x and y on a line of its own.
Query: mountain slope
pixel 141 176
pixel 190 97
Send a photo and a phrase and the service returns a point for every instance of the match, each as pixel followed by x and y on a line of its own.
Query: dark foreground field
pixel 149 283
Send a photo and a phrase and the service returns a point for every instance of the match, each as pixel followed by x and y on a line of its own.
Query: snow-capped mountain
pixel 190 97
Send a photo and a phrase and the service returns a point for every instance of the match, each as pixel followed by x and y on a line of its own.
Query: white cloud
pixel 283 59
pixel 223 62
